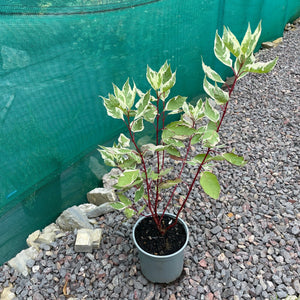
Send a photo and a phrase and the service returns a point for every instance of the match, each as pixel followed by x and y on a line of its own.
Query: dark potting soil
pixel 152 241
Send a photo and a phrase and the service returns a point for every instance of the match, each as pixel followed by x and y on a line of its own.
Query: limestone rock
pixel 99 196
pixel 73 218
pixel 46 238
pixel 7 294
pixel 100 210
pixel 108 179
pixel 88 239
pixel 20 260
pixel 31 240
pixel 269 45
pixel 87 207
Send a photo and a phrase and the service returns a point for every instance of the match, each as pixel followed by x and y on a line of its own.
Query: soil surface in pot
pixel 149 238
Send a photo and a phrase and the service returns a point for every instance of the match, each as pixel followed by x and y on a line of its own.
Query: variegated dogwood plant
pixel 198 123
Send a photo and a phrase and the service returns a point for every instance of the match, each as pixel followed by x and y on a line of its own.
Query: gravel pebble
pixel 243 246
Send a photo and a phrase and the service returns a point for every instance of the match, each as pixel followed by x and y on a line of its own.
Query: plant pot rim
pixel 161 256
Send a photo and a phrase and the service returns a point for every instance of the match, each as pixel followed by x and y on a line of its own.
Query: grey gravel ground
pixel 243 246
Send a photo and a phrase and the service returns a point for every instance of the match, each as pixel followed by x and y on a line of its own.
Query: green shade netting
pixel 57 57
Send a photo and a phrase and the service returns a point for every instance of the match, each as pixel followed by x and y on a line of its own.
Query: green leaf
pixel 198 159
pixel 196 138
pixel 211 126
pixel 129 212
pixel 231 42
pixel 221 51
pixel 137 125
pixel 234 159
pixel 117 205
pixel 124 200
pixel 142 209
pixel 139 194
pixel 210 73
pixel 183 130
pixel 175 103
pixel 169 183
pixel 165 172
pixel 211 112
pixel 127 178
pixel 173 151
pixel 261 67
pixel 210 184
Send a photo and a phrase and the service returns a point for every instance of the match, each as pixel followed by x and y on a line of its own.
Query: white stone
pixel 73 218
pixel 84 241
pixel 7 294
pixel 19 261
pixel 99 196
pixel 88 239
pixel 96 237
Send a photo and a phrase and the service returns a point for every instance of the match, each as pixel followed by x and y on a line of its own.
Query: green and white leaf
pixel 127 178
pixel 231 42
pixel 261 67
pixel 120 97
pixel 123 140
pixel 168 78
pixel 142 104
pixel 154 78
pixel 210 138
pixel 137 125
pixel 129 212
pixel 221 51
pixel 246 40
pixel 124 200
pixel 211 112
pixel 112 107
pixel 117 205
pixel 254 39
pixel 175 103
pixel 169 183
pixel 210 184
pixel 210 73
pixel 129 94
pixel 150 113
pixel 235 159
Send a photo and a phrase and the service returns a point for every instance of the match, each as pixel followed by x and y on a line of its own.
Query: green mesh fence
pixel 56 57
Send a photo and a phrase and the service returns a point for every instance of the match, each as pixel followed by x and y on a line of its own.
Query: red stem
pixel 203 162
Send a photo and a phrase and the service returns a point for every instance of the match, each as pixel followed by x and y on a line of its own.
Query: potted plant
pixel 144 172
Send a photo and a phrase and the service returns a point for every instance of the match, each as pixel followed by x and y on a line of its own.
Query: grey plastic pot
pixel 161 269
